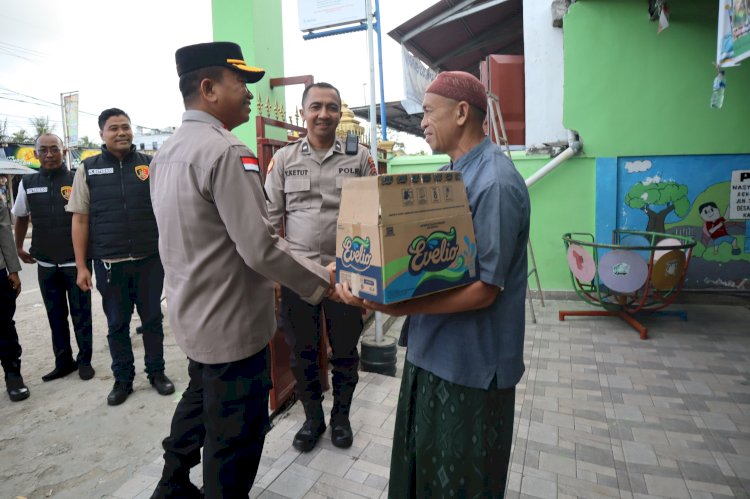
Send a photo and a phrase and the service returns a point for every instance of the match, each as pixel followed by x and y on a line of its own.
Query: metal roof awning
pixel 455 35
pixel 397 117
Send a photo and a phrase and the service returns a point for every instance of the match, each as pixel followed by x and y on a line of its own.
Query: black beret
pixel 205 55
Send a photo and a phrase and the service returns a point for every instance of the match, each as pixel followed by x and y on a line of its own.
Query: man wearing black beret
pixel 221 258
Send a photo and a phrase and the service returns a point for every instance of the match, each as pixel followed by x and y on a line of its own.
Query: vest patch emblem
pixel 250 164
pixel 142 171
pixel 65 191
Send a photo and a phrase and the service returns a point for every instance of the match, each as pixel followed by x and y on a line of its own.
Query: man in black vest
pixel 44 195
pixel 113 223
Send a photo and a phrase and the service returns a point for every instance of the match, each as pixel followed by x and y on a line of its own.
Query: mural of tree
pixel 671 195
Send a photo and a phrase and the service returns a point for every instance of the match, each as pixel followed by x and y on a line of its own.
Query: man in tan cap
pixel 221 258
pixel 454 422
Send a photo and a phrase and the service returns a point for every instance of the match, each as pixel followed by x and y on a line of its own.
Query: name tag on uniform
pixel 101 171
pixel 250 164
pixel 36 190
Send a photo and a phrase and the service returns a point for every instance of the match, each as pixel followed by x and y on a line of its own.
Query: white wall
pixel 543 57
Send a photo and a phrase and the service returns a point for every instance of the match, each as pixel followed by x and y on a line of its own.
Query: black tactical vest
pixel 47 193
pixel 121 222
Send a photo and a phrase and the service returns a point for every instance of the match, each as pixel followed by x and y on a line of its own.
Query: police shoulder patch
pixel 270 167
pixel 250 164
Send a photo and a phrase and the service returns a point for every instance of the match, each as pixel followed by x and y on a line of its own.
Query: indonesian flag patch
pixel 250 164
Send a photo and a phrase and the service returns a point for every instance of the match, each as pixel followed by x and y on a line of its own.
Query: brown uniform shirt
pixel 304 193
pixel 220 253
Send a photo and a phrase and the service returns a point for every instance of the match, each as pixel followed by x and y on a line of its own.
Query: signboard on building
pixel 316 14
pixel 739 195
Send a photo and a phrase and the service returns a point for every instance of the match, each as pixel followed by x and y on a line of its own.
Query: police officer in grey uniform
pixel 304 190
pixel 221 258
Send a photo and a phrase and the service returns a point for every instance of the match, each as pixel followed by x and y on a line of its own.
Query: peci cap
pixel 205 55
pixel 460 86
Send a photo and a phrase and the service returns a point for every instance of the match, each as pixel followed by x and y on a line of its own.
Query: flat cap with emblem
pixel 226 54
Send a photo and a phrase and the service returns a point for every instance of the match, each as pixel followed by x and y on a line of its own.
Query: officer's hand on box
pixel 332 294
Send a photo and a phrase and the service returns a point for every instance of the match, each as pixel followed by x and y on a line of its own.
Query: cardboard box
pixel 403 236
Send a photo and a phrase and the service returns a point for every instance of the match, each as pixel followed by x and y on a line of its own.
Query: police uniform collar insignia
pixel 337 146
pixel 305 147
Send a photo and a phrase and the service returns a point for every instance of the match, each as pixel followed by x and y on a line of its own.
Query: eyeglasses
pixel 43 151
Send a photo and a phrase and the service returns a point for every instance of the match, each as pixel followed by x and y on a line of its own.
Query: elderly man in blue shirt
pixel 454 422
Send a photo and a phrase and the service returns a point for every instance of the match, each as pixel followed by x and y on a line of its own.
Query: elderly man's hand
pixel 347 297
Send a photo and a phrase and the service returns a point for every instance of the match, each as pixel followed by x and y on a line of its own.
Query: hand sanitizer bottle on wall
pixel 717 97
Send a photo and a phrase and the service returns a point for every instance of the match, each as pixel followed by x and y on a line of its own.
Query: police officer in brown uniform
pixel 221 258
pixel 304 190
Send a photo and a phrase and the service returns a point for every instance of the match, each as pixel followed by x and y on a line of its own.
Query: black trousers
pixel 301 327
pixel 10 348
pixel 59 290
pixel 224 410
pixel 139 283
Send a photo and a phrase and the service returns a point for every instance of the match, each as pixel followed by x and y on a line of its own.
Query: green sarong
pixel 450 440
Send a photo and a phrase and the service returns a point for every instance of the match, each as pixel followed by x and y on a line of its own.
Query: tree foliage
pixel 4 130
pixel 41 125
pixel 21 137
pixel 668 194
pixel 85 143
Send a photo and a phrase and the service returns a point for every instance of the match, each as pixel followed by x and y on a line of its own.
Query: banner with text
pixel 417 77
pixel 70 108
pixel 734 32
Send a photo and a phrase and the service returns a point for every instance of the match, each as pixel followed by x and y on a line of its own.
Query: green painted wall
pixel 629 91
pixel 256 26
pixel 563 201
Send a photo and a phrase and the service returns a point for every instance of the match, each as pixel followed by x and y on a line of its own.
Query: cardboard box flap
pixel 421 196
pixel 359 201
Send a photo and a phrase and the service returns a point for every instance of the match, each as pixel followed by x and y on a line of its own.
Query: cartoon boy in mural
pixel 715 229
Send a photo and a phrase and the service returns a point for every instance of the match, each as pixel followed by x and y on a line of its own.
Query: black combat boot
pixel 313 427
pixel 341 428
pixel 17 389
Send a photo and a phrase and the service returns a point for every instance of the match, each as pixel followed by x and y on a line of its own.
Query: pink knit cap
pixel 460 86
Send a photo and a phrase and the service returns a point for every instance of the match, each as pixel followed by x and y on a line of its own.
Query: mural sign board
pixel 703 197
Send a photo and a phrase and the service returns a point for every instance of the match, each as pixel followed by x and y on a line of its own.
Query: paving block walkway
pixel 599 414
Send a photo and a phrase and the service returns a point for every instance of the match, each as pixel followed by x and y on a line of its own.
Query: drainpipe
pixel 574 147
